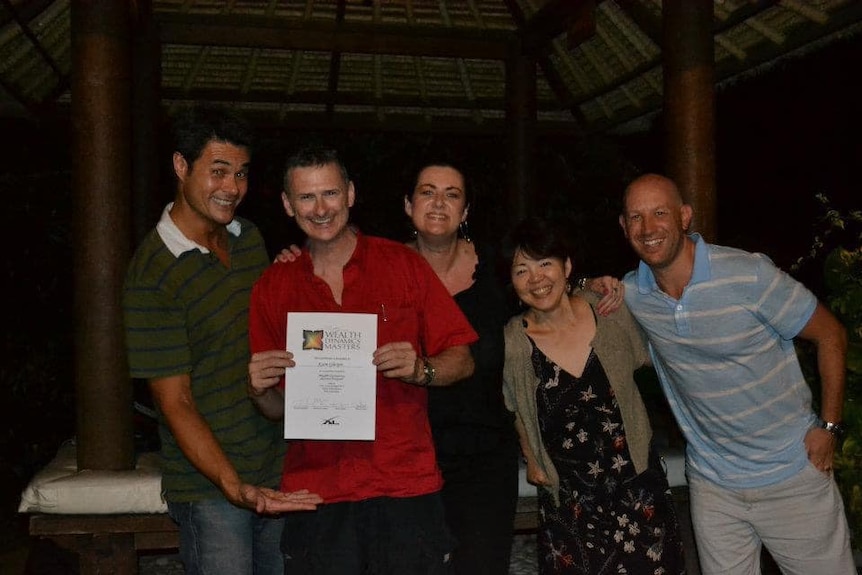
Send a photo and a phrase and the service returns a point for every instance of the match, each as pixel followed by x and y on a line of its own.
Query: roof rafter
pixel 643 19
pixel 323 98
pixel 25 11
pixel 23 23
pixel 293 34
pixel 556 17
pixel 552 76
pixel 335 63
pixel 652 28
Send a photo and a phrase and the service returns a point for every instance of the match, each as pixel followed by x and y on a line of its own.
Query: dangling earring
pixel 568 287
pixel 414 233
pixel 465 233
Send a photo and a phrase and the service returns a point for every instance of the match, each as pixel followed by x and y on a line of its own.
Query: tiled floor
pixel 523 555
pixel 53 562
pixel 523 560
pixel 45 559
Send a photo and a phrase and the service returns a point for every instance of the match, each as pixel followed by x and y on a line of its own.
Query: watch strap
pixel 429 371
pixel 836 428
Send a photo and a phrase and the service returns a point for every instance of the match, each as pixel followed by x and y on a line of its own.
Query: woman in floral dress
pixel 604 501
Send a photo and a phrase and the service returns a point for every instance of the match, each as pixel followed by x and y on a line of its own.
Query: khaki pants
pixel 801 521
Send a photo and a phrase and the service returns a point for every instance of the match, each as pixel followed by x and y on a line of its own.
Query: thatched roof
pixel 413 64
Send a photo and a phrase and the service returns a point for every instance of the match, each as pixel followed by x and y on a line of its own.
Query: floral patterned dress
pixel 610 520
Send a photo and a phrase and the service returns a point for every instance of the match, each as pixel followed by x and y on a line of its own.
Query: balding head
pixel 653 183
pixel 655 221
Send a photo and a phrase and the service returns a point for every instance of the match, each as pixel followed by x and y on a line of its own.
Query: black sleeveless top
pixel 469 417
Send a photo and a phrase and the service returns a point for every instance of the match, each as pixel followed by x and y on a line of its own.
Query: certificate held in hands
pixel 331 392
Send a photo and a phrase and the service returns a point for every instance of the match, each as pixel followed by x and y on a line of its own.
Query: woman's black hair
pixel 537 238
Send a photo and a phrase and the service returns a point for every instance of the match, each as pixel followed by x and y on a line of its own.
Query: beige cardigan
pixel 620 346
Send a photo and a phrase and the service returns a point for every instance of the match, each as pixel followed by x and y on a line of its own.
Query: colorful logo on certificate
pixel 312 339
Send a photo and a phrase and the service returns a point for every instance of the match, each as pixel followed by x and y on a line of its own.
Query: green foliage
pixel 839 243
pixel 843 276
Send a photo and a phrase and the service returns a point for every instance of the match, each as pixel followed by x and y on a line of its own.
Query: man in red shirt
pixel 383 513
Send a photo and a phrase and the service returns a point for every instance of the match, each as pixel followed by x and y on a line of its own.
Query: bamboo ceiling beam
pixel 293 34
pixel 322 98
pixel 556 17
pixel 552 76
pixel 652 26
pixel 16 95
pixel 417 123
pixel 25 11
pixel 23 23
pixel 335 63
pixel 647 21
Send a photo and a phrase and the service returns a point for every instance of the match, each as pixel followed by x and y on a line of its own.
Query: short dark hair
pixel 195 127
pixel 314 155
pixel 538 238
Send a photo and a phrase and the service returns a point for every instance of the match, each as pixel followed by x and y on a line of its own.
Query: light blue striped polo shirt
pixel 725 357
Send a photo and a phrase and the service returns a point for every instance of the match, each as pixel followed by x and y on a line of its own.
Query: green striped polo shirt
pixel 189 314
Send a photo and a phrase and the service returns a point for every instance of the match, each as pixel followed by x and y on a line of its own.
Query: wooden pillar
pixel 146 120
pixel 521 136
pixel 689 106
pixel 101 134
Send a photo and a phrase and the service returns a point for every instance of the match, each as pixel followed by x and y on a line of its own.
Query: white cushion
pixel 61 488
pixel 674 461
pixel 524 488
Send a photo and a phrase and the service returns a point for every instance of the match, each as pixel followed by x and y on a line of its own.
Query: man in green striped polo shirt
pixel 185 303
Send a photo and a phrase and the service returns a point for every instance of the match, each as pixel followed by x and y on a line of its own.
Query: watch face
pixel 429 373
pixel 833 428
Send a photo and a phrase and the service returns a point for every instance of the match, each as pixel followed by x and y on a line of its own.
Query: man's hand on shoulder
pixel 611 291
pixel 289 254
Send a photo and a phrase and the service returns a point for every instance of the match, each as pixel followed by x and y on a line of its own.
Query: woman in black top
pixel 477 449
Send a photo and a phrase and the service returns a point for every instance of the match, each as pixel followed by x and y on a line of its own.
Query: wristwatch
pixel 836 428
pixel 429 372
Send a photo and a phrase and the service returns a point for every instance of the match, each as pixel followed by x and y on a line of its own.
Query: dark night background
pixel 783 135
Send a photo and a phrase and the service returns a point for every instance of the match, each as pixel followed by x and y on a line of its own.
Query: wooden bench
pixel 105 517
pixel 527 515
pixel 107 543
pixel 111 543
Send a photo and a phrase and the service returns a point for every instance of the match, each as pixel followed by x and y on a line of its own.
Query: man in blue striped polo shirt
pixel 721 324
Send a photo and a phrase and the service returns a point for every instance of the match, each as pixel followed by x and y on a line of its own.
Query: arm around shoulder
pixel 451 365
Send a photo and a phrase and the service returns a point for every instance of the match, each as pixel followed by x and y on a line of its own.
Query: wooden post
pixel 689 106
pixel 521 137
pixel 146 120
pixel 101 134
